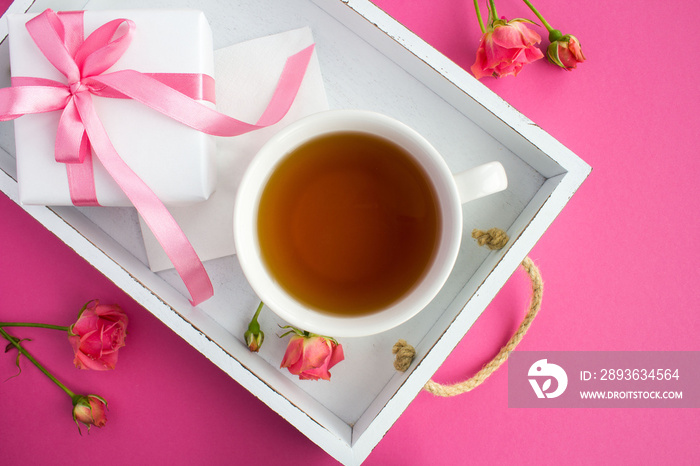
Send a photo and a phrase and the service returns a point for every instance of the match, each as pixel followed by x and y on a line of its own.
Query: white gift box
pixel 175 161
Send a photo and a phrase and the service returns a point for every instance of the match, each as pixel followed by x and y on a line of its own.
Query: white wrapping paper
pixel 246 77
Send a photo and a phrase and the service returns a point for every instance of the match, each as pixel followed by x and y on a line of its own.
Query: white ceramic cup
pixel 451 192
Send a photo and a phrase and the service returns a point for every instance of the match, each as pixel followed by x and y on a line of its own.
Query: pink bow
pixel 83 62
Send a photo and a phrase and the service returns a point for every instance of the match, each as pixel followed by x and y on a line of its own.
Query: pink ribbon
pixel 80 132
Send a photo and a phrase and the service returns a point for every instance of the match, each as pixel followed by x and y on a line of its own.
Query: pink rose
pixel 90 410
pixel 311 357
pixel 97 336
pixel 505 48
pixel 565 52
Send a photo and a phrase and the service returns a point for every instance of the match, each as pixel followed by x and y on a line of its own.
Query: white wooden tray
pixel 368 61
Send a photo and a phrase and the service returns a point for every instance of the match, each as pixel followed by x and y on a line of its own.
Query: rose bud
pixel 254 337
pixel 565 52
pixel 254 340
pixel 90 410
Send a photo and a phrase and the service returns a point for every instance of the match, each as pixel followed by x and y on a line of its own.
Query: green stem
pixel 493 14
pixel 31 324
pixel 537 13
pixel 257 313
pixel 36 363
pixel 478 16
pixel 254 326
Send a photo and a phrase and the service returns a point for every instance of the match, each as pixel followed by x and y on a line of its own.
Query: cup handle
pixel 481 181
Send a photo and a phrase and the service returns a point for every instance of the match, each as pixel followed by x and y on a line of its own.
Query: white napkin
pixel 246 75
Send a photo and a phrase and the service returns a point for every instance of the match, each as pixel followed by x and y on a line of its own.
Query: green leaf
pixel 19 368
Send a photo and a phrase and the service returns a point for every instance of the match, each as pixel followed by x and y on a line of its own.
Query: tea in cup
pixel 348 222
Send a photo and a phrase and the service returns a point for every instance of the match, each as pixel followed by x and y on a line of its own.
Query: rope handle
pixel 494 239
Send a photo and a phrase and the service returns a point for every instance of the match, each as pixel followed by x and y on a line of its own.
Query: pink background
pixel 620 265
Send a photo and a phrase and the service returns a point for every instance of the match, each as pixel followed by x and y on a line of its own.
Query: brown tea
pixel 348 223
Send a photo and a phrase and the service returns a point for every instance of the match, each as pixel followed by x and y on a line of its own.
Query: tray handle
pixel 494 238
